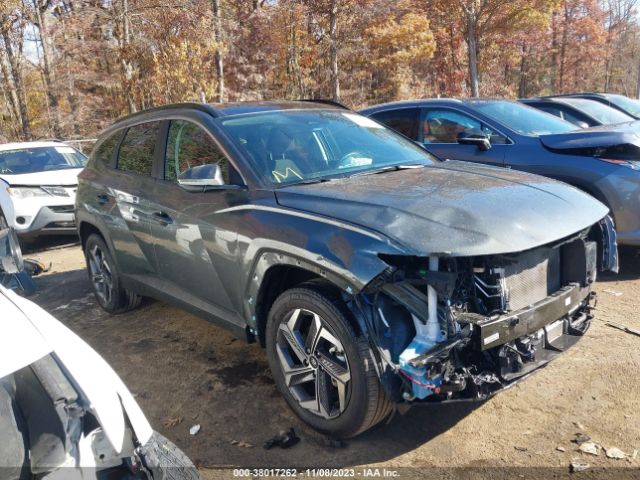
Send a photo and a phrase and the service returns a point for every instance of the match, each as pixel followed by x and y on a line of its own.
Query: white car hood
pixel 29 333
pixel 64 177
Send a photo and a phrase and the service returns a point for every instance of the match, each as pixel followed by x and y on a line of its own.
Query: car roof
pixel 39 144
pixel 237 108
pixel 431 101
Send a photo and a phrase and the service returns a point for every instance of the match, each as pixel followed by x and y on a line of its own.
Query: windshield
pixel 601 112
pixel 40 159
pixel 522 119
pixel 629 105
pixel 304 145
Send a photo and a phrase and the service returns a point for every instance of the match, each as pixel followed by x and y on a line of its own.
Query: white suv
pixel 64 412
pixel 38 182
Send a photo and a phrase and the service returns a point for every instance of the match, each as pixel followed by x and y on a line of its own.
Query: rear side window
pixel 404 120
pixel 190 150
pixel 104 152
pixel 136 151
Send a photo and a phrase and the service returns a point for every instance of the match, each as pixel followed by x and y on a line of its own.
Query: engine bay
pixel 465 328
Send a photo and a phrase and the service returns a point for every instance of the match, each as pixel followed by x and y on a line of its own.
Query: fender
pixel 285 255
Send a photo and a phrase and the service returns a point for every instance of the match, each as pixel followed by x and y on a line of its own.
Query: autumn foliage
pixel 69 68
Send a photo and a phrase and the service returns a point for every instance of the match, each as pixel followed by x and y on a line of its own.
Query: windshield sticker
pixel 362 121
pixel 65 150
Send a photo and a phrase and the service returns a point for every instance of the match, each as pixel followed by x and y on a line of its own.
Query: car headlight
pixel 26 192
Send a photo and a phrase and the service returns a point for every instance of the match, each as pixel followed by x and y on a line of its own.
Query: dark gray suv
pixel 374 273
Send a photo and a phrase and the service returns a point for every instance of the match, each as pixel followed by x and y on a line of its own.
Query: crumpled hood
pixel 30 328
pixel 602 136
pixel 453 208
pixel 66 177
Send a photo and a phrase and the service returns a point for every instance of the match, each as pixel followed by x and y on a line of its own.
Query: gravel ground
pixel 186 371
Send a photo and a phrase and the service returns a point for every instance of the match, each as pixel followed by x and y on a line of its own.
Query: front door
pixel 439 129
pixel 196 243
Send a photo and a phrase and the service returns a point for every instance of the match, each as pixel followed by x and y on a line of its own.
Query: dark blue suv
pixel 602 161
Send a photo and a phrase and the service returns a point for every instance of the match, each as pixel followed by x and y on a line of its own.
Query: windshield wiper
pixel 390 168
pixel 313 180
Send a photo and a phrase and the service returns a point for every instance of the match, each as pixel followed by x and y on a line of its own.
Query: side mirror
pixel 10 253
pixel 474 137
pixel 200 177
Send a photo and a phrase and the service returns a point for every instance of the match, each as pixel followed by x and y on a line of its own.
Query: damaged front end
pixel 455 328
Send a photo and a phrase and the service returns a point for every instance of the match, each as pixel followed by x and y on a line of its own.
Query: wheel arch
pixel 275 272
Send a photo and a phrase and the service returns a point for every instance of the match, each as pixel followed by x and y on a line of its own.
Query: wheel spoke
pixel 314 333
pixel 299 375
pixel 293 339
pixel 323 393
pixel 333 368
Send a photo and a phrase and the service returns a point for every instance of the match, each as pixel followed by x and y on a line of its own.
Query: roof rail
pixel 325 101
pixel 203 107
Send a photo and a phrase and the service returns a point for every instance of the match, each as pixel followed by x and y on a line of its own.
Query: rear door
pixel 438 130
pixel 196 244
pixel 130 226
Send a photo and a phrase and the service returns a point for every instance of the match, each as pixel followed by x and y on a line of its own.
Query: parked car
pixel 64 412
pixel 38 182
pixel 630 106
pixel 582 112
pixel 602 161
pixel 374 273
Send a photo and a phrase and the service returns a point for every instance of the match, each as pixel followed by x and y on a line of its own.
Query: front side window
pixel 40 159
pixel 192 154
pixel 404 120
pixel 444 126
pixel 525 120
pixel 310 145
pixel 137 149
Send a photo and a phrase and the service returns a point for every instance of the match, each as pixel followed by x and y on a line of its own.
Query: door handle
pixel 162 218
pixel 103 198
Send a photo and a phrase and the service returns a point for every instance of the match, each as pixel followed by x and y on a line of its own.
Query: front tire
pixel 323 369
pixel 105 278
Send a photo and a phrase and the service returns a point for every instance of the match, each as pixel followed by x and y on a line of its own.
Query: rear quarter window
pixel 103 153
pixel 137 149
pixel 404 120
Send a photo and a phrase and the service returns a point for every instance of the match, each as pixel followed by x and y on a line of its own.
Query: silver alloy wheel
pixel 315 367
pixel 101 275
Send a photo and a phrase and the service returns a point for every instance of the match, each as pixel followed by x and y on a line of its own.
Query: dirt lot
pixel 182 367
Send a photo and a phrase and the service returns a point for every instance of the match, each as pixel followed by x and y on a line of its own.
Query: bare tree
pixel 217 36
pixel 7 20
pixel 40 8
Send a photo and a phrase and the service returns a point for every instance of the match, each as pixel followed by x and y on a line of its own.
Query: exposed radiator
pixel 521 280
pixel 534 276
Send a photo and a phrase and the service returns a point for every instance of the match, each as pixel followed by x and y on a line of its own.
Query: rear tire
pixel 324 370
pixel 105 278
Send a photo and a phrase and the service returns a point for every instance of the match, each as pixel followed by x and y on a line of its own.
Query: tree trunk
pixel 13 96
pixel 563 48
pixel 19 86
pixel 52 97
pixel 217 35
pixel 638 82
pixel 472 49
pixel 522 87
pixel 72 98
pixel 123 37
pixel 333 38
